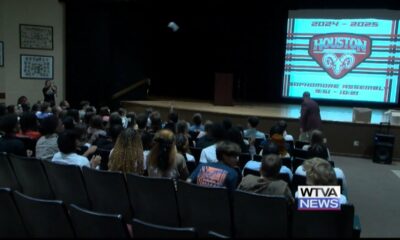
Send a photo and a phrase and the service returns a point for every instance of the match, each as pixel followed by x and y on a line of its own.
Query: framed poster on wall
pixel 37 67
pixel 36 37
pixel 1 53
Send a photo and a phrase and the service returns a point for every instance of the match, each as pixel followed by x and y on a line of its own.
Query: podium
pixel 223 89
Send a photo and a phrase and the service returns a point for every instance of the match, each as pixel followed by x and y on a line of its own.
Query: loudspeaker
pixel 383 148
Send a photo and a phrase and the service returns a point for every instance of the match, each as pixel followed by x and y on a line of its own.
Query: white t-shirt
pixel 209 154
pixel 71 159
pixel 189 157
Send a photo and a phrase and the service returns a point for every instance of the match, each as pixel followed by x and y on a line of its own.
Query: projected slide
pixel 342 59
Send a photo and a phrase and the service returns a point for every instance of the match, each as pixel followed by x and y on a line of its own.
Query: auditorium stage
pixel 342 134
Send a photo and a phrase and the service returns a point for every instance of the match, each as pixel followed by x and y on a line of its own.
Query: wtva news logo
pixel 317 198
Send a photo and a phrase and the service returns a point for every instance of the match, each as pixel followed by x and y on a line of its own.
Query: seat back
pixel 287 161
pixel 297 161
pixel 260 216
pixel 11 222
pixel 67 183
pixel 153 199
pixel 247 171
pixel 44 218
pixel 89 224
pixel 205 208
pixel 29 143
pixel 31 177
pixel 243 159
pixel 297 181
pixel 7 175
pixel 300 153
pixel 212 234
pixel 107 192
pixel 143 229
pixel 300 144
pixel 323 224
pixel 191 166
pixel 105 155
pixel 196 152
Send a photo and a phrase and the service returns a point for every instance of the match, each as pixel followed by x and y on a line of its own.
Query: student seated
pixel 320 172
pixel 221 173
pixel 270 148
pixel 268 183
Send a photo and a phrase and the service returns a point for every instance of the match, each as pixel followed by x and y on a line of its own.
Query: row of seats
pixel 23 216
pixel 156 200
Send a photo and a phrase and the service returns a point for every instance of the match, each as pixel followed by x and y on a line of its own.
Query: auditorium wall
pixel 40 12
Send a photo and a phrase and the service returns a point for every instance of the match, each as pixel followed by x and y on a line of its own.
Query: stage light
pixel 173 26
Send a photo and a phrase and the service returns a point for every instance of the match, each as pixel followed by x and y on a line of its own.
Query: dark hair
pixel 141 120
pixel 173 117
pixel 28 121
pixel 270 165
pixel 253 121
pixel 8 123
pixel 227 148
pixel 197 118
pixel 131 117
pixel 316 137
pixel 208 125
pixel 68 122
pixel 218 132
pixel 147 140
pixel 74 113
pixel 318 150
pixel 182 127
pixel 104 111
pixel 181 146
pixel 88 117
pixel 11 109
pixel 282 124
pixel 115 119
pixel 96 122
pixel 63 103
pixel 35 107
pixel 227 123
pixel 84 103
pixel 81 130
pixel 44 106
pixel 121 111
pixel 67 141
pixel 156 122
pixel 22 99
pixel 306 94
pixel 271 148
pixel 49 125
pixel 235 136
pixel 114 131
pixel 275 129
pixel 25 107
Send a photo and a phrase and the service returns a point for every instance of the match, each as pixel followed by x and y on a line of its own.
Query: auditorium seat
pixel 31 177
pixel 191 166
pixel 107 192
pixel 287 161
pixel 297 161
pixel 323 224
pixel 11 224
pixel 212 234
pixel 67 183
pixel 44 218
pixel 7 175
pixel 243 159
pixel 143 229
pixel 90 224
pixel 105 155
pixel 259 216
pixel 299 144
pixel 153 199
pixel 196 152
pixel 205 208
pixel 30 144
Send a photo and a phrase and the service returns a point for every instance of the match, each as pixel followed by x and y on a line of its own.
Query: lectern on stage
pixel 223 89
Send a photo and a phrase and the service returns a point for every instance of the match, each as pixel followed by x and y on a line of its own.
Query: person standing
pixel 310 117
pixel 49 92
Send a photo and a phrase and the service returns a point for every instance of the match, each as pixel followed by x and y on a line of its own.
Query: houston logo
pixel 339 53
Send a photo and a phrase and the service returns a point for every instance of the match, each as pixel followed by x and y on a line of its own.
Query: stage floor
pixel 282 111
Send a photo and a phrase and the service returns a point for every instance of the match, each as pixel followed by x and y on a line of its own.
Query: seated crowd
pixel 143 144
